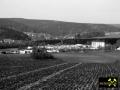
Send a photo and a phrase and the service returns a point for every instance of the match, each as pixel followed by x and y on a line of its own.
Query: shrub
pixel 41 53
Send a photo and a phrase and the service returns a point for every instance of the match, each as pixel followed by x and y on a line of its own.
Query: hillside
pixel 46 29
pixel 58 27
pixel 116 25
pixel 15 25
pixel 8 33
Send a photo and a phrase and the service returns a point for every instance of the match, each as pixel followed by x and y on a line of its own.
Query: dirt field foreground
pixel 69 71
pixel 90 57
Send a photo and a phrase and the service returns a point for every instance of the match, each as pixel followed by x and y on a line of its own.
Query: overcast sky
pixel 84 11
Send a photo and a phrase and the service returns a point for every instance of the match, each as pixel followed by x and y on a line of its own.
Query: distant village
pixel 95 43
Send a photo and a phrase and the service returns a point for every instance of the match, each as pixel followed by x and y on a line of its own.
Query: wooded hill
pixel 55 28
pixel 63 28
pixel 9 33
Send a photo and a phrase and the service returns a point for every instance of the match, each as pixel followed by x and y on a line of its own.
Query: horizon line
pixel 56 20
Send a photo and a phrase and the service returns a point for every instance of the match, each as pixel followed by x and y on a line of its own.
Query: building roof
pixel 108 37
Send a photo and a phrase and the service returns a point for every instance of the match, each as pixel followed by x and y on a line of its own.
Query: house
pixel 25 51
pixel 97 44
pixel 53 50
pixel 29 47
pixel 118 48
pixel 21 51
pixel 8 41
pixel 9 51
pixel 14 51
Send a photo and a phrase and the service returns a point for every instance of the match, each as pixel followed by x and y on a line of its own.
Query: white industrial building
pixel 97 44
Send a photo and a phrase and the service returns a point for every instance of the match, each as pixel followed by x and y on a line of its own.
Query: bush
pixel 41 53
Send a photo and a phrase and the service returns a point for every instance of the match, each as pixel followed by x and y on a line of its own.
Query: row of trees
pixel 16 44
pixel 112 47
pixel 41 53
pixel 12 33
pixel 90 34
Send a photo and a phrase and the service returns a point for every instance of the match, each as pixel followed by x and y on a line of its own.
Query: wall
pixel 97 44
